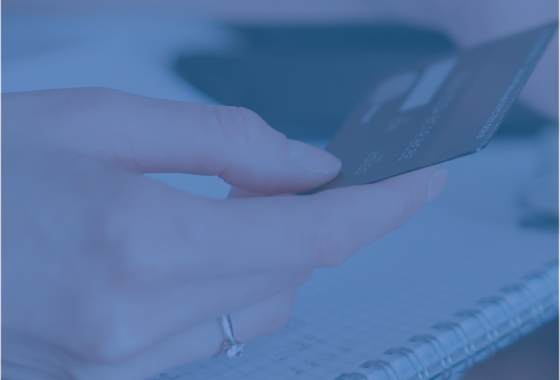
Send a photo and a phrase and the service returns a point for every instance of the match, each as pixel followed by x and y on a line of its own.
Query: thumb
pixel 153 135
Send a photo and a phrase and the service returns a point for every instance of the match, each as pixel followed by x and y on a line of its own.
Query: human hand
pixel 108 274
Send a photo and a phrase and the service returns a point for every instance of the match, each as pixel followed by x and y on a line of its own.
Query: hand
pixel 108 274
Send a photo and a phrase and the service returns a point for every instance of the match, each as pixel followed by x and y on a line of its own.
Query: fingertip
pixel 313 159
pixel 291 167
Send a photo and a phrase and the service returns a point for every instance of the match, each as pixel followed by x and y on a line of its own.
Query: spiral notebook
pixel 462 280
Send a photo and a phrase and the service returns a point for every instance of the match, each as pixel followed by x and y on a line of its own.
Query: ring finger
pixel 198 342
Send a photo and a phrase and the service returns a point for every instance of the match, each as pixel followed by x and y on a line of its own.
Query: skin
pixel 103 255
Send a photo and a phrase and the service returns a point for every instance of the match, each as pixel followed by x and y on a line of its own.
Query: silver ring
pixel 230 347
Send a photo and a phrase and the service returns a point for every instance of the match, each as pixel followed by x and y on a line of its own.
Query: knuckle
pixel 239 125
pixel 128 266
pixel 330 244
pixel 125 246
pixel 100 328
pixel 101 234
pixel 98 101
pixel 279 314
pixel 84 100
pixel 137 244
pixel 105 336
pixel 121 251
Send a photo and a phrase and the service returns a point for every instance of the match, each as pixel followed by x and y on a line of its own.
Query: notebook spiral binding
pixel 475 334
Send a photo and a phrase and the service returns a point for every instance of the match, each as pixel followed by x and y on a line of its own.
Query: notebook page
pixel 463 247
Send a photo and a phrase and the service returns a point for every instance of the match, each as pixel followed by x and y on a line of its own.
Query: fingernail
pixel 436 185
pixel 313 159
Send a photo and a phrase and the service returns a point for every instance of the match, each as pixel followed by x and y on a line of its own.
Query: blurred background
pixel 303 79
pixel 303 76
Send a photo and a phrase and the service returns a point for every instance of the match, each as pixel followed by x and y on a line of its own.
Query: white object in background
pixel 132 53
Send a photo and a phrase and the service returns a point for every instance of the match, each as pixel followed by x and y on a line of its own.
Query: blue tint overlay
pixel 153 161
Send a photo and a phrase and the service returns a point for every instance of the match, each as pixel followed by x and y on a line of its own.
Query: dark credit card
pixel 435 111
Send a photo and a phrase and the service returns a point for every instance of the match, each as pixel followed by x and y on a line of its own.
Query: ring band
pixel 230 347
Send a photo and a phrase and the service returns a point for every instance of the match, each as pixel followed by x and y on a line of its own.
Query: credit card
pixel 436 110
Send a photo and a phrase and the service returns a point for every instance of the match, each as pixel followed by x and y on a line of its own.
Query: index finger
pixel 148 135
